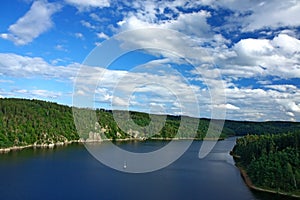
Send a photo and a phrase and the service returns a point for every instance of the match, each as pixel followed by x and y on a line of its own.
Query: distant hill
pixel 26 122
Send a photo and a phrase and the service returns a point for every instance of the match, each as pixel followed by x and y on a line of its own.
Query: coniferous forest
pixel 25 122
pixel 271 161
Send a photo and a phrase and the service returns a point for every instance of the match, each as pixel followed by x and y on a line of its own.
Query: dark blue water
pixel 72 173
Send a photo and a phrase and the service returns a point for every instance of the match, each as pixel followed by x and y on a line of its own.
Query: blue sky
pixel 241 58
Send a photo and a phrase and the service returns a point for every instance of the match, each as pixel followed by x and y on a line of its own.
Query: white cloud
pixel 290 105
pixel 248 58
pixel 13 65
pixel 61 47
pixel 290 114
pixel 242 103
pixel 95 17
pixel 254 47
pixel 287 43
pixel 79 35
pixel 87 24
pixel 294 107
pixel 256 15
pixel 263 57
pixel 120 102
pixel 132 22
pixel 191 24
pixel 6 81
pixel 249 15
pixel 83 5
pixel 167 42
pixel 97 43
pixel 147 85
pixel 273 14
pixel 102 36
pixel 35 22
pixel 282 88
pixel 261 105
pixel 227 106
pixel 167 15
pixel 38 93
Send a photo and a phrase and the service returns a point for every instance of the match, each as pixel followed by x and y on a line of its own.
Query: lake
pixel 72 173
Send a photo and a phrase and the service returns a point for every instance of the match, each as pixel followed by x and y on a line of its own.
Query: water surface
pixel 72 173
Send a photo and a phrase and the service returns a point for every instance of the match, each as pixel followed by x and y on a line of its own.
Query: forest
pixel 24 122
pixel 272 161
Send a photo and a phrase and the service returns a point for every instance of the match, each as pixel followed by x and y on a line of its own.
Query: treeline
pixel 242 128
pixel 24 122
pixel 271 161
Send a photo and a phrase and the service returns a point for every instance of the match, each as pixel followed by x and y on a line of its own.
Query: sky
pixel 228 59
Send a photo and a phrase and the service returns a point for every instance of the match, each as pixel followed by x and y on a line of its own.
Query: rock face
pixel 94 137
pixel 133 133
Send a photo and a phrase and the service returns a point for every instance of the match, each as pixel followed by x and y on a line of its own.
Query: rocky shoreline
pixel 35 145
pixel 52 145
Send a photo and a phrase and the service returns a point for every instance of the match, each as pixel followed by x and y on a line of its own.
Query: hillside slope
pixel 25 122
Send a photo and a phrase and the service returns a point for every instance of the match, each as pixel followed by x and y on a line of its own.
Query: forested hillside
pixel 24 122
pixel 271 161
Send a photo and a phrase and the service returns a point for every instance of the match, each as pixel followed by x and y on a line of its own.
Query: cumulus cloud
pixel 254 47
pixel 35 22
pixel 286 43
pixel 264 57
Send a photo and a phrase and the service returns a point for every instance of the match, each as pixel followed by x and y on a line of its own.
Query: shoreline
pixel 81 141
pixel 196 139
pixel 249 183
pixel 251 186
pixel 38 146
